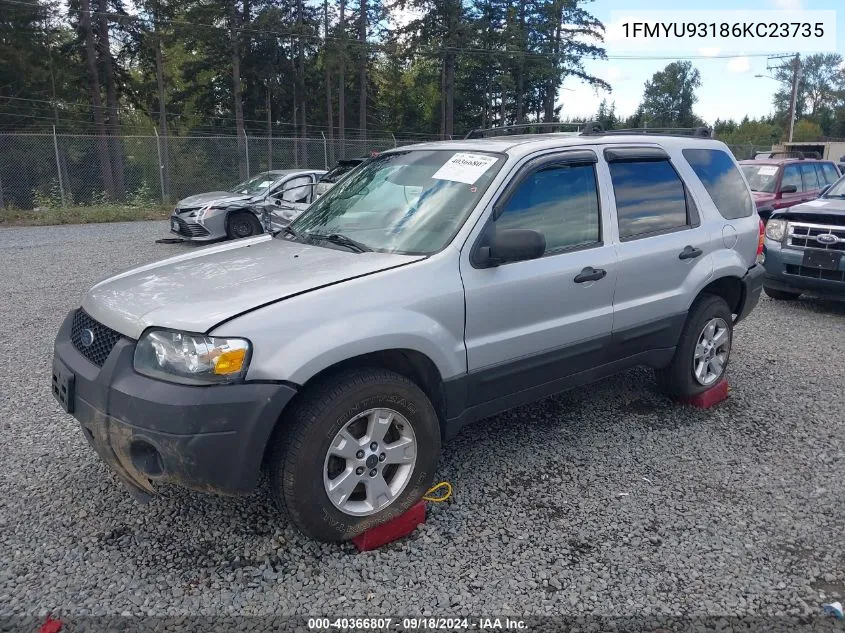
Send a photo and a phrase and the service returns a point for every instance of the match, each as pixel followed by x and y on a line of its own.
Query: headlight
pixel 775 229
pixel 193 359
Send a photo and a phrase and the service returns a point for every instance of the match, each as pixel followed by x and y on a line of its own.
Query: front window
pixel 254 185
pixel 762 178
pixel 410 202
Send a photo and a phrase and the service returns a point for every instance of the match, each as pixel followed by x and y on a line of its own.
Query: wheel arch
pixel 413 364
pixel 730 288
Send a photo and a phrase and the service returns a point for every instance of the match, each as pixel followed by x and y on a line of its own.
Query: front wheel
pixel 703 350
pixel 242 224
pixel 358 449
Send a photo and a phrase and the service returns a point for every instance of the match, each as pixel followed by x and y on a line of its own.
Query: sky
pixel 729 88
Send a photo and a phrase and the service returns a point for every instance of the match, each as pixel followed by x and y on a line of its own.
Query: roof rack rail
pixel 503 130
pixel 701 131
pixel 795 154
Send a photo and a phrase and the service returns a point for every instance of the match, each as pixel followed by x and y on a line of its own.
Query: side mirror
pixel 512 245
pixel 789 189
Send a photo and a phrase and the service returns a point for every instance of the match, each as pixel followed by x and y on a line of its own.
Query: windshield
pixel 837 189
pixel 255 185
pixel 410 202
pixel 761 177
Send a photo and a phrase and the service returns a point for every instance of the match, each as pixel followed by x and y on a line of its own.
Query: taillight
pixel 760 239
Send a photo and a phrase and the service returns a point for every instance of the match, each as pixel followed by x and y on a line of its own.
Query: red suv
pixel 778 183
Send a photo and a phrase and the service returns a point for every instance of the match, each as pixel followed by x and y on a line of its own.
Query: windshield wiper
pixel 341 240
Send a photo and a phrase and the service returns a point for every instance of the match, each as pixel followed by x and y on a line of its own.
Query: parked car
pixel 331 177
pixel 243 211
pixel 779 183
pixel 437 284
pixel 804 245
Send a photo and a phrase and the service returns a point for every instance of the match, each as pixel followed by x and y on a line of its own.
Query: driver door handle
pixel 590 274
pixel 690 252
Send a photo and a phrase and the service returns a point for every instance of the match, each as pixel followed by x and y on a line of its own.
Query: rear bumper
pixel 752 286
pixel 206 438
pixel 782 264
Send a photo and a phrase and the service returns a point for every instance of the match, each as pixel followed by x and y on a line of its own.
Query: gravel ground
pixel 609 500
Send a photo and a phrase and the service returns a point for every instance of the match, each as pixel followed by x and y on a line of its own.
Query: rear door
pixel 663 249
pixel 812 184
pixel 532 322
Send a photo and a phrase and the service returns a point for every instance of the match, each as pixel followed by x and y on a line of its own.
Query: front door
pixel 533 322
pixel 791 176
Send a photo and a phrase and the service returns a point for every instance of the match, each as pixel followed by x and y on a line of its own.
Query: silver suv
pixel 435 285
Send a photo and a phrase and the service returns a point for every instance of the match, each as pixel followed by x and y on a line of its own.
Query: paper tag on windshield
pixel 463 167
pixel 767 170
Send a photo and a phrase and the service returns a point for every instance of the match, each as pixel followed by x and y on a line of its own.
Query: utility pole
pixel 796 77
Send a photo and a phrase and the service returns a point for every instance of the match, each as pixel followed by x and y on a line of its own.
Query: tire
pixel 300 464
pixel 242 224
pixel 679 379
pixel 781 295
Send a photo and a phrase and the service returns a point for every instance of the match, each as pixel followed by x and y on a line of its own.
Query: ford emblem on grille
pixel 827 238
pixel 86 337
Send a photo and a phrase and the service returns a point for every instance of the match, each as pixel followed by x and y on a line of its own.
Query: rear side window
pixel 650 197
pixel 559 201
pixel 811 181
pixel 723 182
pixel 792 176
pixel 829 171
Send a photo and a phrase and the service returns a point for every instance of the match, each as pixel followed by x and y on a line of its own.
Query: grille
pixel 802 235
pixel 815 273
pixel 190 230
pixel 104 338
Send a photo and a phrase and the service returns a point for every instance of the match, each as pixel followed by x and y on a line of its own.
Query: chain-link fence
pixel 46 170
pixel 744 152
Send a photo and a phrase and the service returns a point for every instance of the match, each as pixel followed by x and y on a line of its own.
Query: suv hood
pixel 196 291
pixel 220 197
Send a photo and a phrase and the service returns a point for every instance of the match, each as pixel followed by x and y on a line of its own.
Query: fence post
pixel 325 151
pixel 394 139
pixel 160 166
pixel 246 143
pixel 59 168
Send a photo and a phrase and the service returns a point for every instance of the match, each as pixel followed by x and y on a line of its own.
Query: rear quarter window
pixel 722 180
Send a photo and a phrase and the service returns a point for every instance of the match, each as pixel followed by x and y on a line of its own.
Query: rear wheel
pixel 242 224
pixel 358 449
pixel 781 295
pixel 703 350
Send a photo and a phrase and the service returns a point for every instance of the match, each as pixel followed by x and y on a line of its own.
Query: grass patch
pixel 82 215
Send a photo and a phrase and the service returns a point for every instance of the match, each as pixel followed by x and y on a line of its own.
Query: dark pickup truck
pixel 804 247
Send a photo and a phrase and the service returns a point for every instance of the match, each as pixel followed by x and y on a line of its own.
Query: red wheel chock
pixel 713 396
pixel 393 530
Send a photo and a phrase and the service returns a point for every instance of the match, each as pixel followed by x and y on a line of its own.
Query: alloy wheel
pixel 711 351
pixel 370 461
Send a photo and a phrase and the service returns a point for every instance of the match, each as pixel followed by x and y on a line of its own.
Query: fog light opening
pixel 146 458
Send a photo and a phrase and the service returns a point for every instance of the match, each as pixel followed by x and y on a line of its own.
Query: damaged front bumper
pixel 210 438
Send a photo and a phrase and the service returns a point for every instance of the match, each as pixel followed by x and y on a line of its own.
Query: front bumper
pixel 189 229
pixel 784 271
pixel 206 438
